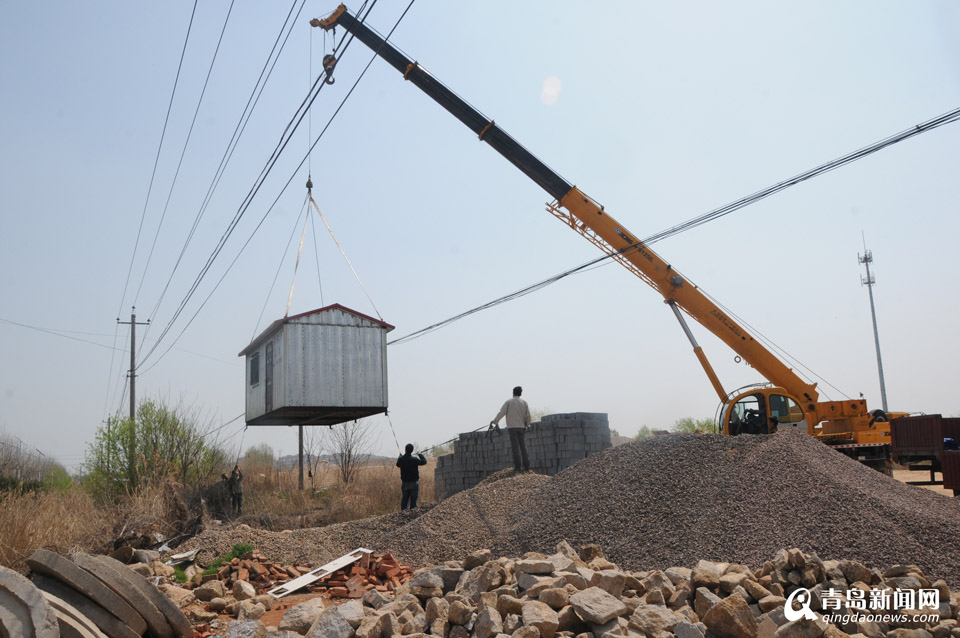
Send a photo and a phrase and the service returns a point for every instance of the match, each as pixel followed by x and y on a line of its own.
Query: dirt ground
pixel 906 476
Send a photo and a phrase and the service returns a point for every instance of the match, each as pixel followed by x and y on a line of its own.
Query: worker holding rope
pixel 518 420
pixel 410 477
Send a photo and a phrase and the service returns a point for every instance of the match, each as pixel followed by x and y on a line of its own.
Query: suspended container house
pixel 321 367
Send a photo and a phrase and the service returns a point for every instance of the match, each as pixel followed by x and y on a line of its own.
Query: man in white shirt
pixel 518 420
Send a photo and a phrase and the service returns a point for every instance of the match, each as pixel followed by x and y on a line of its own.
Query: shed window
pixel 254 368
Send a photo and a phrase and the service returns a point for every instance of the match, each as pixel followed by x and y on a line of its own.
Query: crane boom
pixel 589 218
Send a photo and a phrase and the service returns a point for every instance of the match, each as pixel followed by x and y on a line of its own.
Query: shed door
pixel 268 378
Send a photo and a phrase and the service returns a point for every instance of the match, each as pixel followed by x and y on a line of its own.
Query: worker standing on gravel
pixel 410 477
pixel 518 420
pixel 235 487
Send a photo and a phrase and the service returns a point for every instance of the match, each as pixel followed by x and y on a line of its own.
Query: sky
pixel 660 111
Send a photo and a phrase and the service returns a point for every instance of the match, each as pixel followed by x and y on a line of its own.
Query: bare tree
pixel 350 445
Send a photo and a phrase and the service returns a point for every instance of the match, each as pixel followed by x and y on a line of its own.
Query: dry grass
pixel 64 520
pixel 272 499
pixel 58 521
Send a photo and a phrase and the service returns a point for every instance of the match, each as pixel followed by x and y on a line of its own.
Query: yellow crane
pixel 846 425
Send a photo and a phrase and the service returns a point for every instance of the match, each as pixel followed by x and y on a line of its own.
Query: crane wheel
pixel 879 416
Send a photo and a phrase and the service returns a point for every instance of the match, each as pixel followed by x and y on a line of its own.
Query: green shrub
pixel 237 551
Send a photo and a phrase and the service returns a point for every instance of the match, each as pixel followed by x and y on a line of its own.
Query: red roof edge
pixel 273 326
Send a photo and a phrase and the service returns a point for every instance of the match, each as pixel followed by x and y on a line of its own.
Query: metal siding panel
pixel 333 359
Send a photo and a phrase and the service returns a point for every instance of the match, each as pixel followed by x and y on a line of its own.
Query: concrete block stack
pixel 553 444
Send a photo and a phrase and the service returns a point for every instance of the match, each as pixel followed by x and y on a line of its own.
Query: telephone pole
pixel 133 357
pixel 866 259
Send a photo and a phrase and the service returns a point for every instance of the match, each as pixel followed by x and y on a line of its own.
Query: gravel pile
pixel 667 501
pixel 676 499
pixel 310 546
pixel 473 519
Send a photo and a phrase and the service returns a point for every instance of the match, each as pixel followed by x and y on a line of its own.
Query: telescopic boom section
pixel 588 217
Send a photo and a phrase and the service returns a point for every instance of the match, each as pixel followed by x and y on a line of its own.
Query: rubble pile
pixel 571 594
pixel 256 569
pixel 381 572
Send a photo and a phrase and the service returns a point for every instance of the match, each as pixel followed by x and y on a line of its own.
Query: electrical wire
pixel 238 131
pixel 156 160
pixel 61 334
pixel 941 120
pixel 282 190
pixel 183 152
pixel 946 118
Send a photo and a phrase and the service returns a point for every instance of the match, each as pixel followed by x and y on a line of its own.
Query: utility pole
pixel 133 358
pixel 300 455
pixel 866 259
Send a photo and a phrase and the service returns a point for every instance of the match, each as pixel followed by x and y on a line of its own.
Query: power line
pixel 946 118
pixel 238 131
pixel 256 188
pixel 923 127
pixel 156 160
pixel 183 152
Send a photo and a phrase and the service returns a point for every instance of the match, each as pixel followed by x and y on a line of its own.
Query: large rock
pixel 103 619
pixel 597 606
pixel 653 619
pixel 331 624
pixel 460 612
pixel 489 623
pixel 250 610
pixel 27 613
pixel 533 566
pixel 378 625
pixel 704 601
pixel 426 584
pixel 803 629
pixel 246 629
pixel 120 584
pixel 210 590
pixel 539 615
pixel 242 590
pixel 477 558
pixel 180 597
pixel 352 612
pixel 731 618
pixel 488 576
pixel 300 618
pixel 57 567
pixel 178 621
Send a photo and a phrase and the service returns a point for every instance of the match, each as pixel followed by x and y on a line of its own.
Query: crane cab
pixel 750 411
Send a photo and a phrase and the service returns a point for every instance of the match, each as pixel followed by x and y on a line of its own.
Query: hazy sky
pixel 659 110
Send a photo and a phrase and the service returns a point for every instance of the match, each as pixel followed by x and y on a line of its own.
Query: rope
pixel 394 432
pixel 427 449
pixel 347 259
pixel 296 266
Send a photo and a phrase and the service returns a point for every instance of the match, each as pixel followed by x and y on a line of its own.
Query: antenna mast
pixel 866 259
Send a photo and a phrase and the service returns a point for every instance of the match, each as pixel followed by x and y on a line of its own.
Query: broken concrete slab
pixel 57 567
pixel 118 582
pixel 109 624
pixel 26 612
pixel 70 618
pixel 178 621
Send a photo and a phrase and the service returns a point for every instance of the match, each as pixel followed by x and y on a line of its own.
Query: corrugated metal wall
pixel 330 359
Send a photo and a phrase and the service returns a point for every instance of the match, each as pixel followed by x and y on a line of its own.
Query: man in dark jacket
pixel 410 477
pixel 235 488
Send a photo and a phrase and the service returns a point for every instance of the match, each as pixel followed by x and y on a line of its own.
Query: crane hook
pixel 329 62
